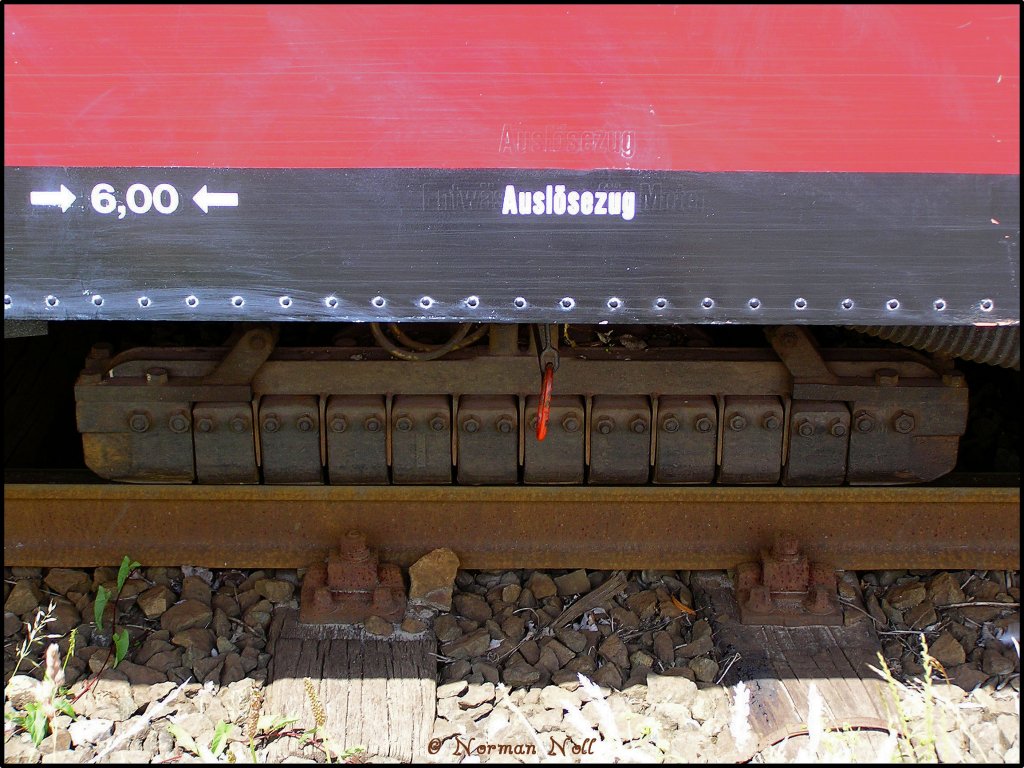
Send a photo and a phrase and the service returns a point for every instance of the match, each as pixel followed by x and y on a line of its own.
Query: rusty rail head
pixel 502 527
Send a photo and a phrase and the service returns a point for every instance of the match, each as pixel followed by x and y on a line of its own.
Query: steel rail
pixel 515 527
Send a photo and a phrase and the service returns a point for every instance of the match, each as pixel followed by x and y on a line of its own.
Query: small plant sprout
pixel 50 700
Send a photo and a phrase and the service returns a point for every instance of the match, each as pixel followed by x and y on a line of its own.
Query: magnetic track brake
pixel 254 413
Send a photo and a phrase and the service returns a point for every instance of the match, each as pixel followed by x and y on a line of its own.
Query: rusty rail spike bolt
pixel 786 588
pixel 350 585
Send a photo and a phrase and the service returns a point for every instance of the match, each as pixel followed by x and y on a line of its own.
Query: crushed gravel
pixel 511 653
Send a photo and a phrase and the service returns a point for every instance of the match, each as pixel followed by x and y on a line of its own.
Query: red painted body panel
pixel 704 88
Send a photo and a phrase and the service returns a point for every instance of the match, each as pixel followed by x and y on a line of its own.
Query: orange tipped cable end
pixel 544 410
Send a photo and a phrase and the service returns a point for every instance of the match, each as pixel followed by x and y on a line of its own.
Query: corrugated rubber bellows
pixel 993 345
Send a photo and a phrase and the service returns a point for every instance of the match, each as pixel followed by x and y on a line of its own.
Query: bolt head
pixel 338 424
pixel 570 423
pixel 179 423
pixel 372 424
pixel 205 424
pixel 864 422
pixel 703 424
pixel 671 424
pixel 470 425
pixel 805 428
pixel 271 424
pixel 838 429
pixel 139 422
pixel 305 423
pixel 639 426
pixel 504 424
pixel 605 426
pixel 438 423
pixel 771 421
pixel 737 423
pixel 239 424
pixel 904 422
pixel 403 424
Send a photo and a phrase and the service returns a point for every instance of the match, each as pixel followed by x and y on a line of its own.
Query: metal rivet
pixel 237 301
pixel 178 423
pixel 519 302
pixel 771 421
pixel 939 304
pixel 605 425
pixel 426 302
pixel 987 305
pixel 144 301
pixel 271 423
pixel 614 302
pixel 205 424
pixel 473 302
pixel 239 424
pixel 305 423
pixel 903 422
pixel 805 428
pixel 707 302
pixel 504 424
pixel 139 422
pixel 338 424
pixel 570 423
pixel 52 301
pixel 403 423
pixel 846 303
pixel 331 301
pixel 703 424
pixel 838 429
pixel 660 303
pixel 470 425
pixel 737 423
pixel 639 426
pixel 567 303
pixel 191 301
pixel 670 424
pixel 800 304
pixel 285 301
pixel 438 423
pixel 754 303
pixel 378 302
pixel 892 305
pixel 97 301
pixel 372 424
pixel 8 300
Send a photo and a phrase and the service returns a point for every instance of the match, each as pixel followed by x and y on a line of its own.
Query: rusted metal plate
pixel 488 440
pixel 819 440
pixel 620 440
pixel 223 438
pixel 560 457
pixel 534 527
pixel 687 439
pixel 751 440
pixel 290 439
pixel 421 439
pixel 356 427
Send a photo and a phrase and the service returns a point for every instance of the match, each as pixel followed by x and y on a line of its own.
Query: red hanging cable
pixel 544 410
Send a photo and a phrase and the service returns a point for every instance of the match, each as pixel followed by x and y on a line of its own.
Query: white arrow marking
pixel 206 200
pixel 64 198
